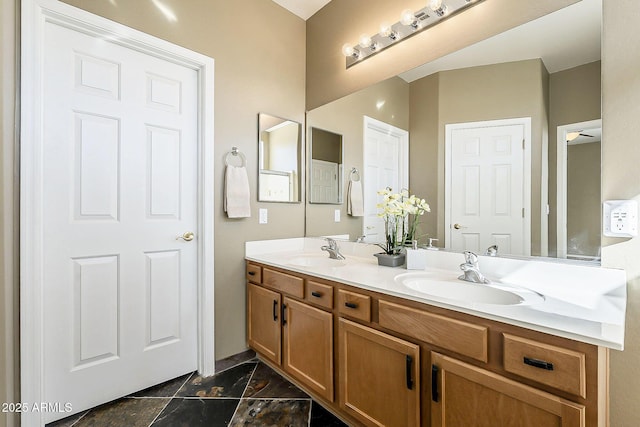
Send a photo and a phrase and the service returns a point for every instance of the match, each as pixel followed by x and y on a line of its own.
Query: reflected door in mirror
pixel 326 165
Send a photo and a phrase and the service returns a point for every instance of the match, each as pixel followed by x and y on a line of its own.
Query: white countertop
pixel 581 302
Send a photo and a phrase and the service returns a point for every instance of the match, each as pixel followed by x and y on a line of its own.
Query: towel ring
pixel 234 152
pixel 354 171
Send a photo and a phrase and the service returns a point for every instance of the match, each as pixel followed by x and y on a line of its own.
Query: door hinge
pixel 523 144
pixel 522 212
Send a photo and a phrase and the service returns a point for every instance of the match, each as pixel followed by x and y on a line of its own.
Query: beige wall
pixel 621 180
pixel 425 156
pixel 574 97
pixel 9 357
pixel 583 199
pixel 259 67
pixel 345 116
pixel 343 21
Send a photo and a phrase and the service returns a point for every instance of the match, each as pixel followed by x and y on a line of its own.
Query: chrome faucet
pixel 332 248
pixel 492 250
pixel 471 271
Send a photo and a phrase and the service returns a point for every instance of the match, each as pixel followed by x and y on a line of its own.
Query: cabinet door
pixel 465 395
pixel 263 322
pixel 379 376
pixel 308 346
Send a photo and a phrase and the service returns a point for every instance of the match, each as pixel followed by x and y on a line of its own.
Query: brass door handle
pixel 457 226
pixel 187 237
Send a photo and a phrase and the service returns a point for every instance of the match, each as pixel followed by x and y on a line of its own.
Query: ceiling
pixel 303 8
pixel 563 39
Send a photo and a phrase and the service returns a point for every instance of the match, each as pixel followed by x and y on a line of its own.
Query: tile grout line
pixel 243 392
pixel 170 399
pixel 81 417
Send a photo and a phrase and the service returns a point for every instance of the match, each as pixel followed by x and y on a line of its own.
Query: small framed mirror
pixel 279 159
pixel 326 167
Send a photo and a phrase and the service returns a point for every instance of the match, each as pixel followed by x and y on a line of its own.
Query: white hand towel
pixel 355 201
pixel 237 196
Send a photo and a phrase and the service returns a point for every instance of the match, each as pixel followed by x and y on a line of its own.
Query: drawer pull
pixel 275 310
pixel 284 314
pixel 434 383
pixel 408 372
pixel 351 304
pixel 251 273
pixel 538 363
pixel 316 294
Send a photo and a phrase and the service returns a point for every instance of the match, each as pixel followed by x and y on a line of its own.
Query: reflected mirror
pixel 279 156
pixel 326 170
pixel 533 72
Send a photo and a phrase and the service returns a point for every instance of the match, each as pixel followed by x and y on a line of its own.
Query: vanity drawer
pixel 283 282
pixel 354 305
pixel 554 366
pixel 451 334
pixel 319 293
pixel 254 273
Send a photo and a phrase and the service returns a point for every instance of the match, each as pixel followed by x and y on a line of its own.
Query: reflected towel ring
pixel 354 171
pixel 234 152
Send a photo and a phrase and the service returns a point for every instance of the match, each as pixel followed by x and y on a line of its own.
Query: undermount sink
pixel 315 260
pixel 440 286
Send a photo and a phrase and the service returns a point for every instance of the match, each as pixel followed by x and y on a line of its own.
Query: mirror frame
pixel 299 154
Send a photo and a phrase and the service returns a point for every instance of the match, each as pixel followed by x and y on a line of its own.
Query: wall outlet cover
pixel 620 218
pixel 263 216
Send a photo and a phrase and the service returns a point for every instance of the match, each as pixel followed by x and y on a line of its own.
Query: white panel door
pixel 324 187
pixel 120 184
pixel 487 189
pixel 386 164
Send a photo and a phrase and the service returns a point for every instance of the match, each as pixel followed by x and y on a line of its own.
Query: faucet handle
pixel 470 257
pixel 332 243
pixel 431 240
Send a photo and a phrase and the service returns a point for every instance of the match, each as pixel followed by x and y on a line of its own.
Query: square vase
pixel 390 260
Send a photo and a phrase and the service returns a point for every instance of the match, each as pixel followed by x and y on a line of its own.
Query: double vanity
pixel 395 347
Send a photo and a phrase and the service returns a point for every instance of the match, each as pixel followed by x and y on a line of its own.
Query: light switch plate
pixel 620 218
pixel 336 215
pixel 263 216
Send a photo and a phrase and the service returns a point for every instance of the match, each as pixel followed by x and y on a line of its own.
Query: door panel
pixel 487 189
pixel 385 165
pixel 379 376
pixel 465 393
pixel 120 184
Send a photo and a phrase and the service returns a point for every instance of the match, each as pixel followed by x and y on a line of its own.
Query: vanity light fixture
pixel 410 23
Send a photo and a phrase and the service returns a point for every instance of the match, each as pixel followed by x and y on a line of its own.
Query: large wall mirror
pixel 326 168
pixel 536 72
pixel 279 159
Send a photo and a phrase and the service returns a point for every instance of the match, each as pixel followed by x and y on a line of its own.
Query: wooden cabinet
pixel 465 395
pixel 486 373
pixel 379 376
pixel 288 332
pixel 263 325
pixel 308 346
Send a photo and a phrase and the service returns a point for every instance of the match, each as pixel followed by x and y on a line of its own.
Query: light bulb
pixel 407 17
pixel 385 29
pixel 347 49
pixel 438 7
pixel 365 41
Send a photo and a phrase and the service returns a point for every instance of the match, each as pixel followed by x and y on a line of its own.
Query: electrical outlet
pixel 264 218
pixel 620 218
pixel 336 215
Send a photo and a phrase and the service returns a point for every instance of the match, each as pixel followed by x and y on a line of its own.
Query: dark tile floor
pixel 244 392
